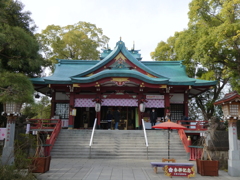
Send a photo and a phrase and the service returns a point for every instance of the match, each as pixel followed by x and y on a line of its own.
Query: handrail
pixel 194 125
pixel 94 126
pixel 184 139
pixel 43 125
pixel 145 136
pixel 53 137
pixel 91 139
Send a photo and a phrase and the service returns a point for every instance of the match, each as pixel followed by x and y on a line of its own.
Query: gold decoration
pixel 120 79
pixel 97 85
pixel 149 75
pixel 76 85
pixel 163 86
pixel 166 171
pixel 121 57
pixel 90 74
pixel 193 173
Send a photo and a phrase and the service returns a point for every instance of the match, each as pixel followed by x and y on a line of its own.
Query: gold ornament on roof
pixel 91 74
pixel 149 75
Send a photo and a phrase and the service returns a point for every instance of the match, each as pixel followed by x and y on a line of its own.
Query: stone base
pixel 234 168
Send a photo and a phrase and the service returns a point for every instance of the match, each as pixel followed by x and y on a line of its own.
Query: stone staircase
pixel 122 144
pixel 158 145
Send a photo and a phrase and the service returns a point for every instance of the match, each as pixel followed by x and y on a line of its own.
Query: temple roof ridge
pixel 119 48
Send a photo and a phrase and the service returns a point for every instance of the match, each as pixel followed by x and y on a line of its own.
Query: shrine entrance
pixel 84 118
pixel 128 119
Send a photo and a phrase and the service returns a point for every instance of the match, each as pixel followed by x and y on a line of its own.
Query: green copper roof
pixel 133 52
pixel 75 71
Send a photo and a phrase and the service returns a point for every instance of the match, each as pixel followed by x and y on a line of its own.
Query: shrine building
pixel 118 80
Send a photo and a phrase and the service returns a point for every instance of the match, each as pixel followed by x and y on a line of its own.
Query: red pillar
pixel 98 118
pixel 71 106
pixel 167 102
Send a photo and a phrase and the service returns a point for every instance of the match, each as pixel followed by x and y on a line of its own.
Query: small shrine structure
pixel 231 111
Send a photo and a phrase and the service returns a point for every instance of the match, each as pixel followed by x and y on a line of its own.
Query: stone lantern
pixel 231 111
pixel 11 110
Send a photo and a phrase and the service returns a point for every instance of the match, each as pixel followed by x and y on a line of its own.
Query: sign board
pixel 2 133
pixel 176 98
pixel 179 171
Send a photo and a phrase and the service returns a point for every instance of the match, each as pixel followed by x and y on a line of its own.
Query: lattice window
pixel 176 112
pixel 62 110
pixel 233 109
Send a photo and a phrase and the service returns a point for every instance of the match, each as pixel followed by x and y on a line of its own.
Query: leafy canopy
pixel 19 53
pixel 210 47
pixel 19 49
pixel 15 88
pixel 79 41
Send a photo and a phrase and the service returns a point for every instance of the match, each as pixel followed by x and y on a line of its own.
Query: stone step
pixel 128 144
pixel 115 156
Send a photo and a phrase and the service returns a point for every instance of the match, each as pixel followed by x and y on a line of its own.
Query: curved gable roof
pixel 86 71
pixel 120 48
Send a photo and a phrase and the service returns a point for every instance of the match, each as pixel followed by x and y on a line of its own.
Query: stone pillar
pixel 8 149
pixel 234 153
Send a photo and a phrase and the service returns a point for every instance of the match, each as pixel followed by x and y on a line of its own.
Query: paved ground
pixel 113 169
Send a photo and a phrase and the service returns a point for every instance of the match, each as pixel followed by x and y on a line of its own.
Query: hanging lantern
pixel 97 107
pixel 74 112
pixel 142 107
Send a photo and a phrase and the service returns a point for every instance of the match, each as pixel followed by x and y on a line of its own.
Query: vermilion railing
pixel 194 125
pixel 184 139
pixel 52 126
pixel 195 151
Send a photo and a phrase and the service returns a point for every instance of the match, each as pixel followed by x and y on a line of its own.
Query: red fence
pixel 195 152
pixel 52 126
pixel 194 125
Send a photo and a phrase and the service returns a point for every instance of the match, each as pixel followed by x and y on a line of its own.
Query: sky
pixel 144 22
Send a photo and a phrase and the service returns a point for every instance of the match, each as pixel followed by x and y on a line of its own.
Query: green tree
pixel 19 49
pixel 19 53
pixel 78 41
pixel 209 46
pixel 217 23
pixel 15 87
pixel 39 109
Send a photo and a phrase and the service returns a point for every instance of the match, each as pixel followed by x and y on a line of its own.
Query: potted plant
pixel 206 166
